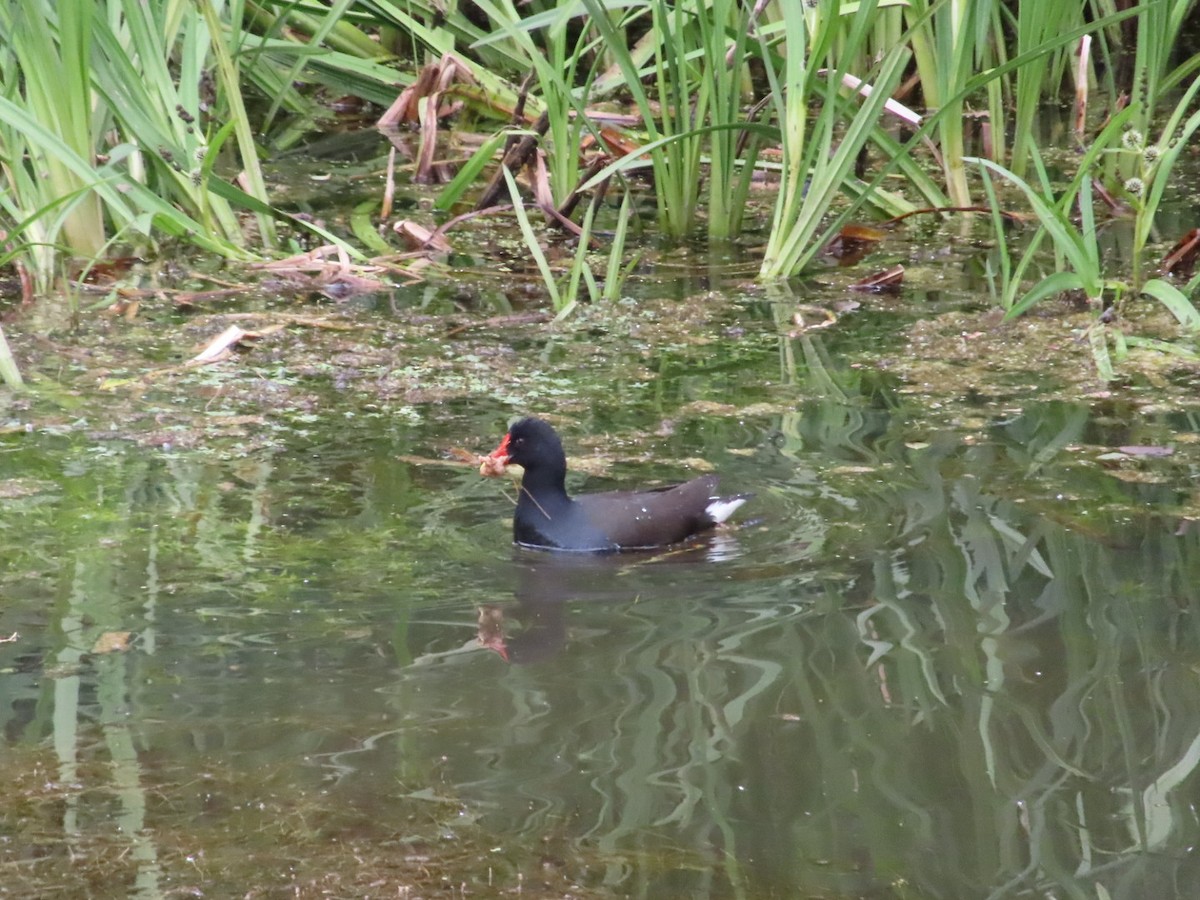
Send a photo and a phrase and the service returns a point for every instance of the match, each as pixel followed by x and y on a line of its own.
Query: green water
pixel 952 651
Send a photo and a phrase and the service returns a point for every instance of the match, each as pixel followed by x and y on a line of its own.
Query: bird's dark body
pixel 547 517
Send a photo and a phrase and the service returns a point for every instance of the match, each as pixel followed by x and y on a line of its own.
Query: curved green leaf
pixel 1174 300
pixel 1057 283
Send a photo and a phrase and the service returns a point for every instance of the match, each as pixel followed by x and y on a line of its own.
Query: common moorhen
pixel 618 520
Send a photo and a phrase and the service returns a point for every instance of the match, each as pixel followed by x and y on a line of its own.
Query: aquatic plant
pixel 10 373
pixel 106 134
pixel 1156 30
pixel 817 154
pixel 1081 270
pixel 673 144
pixel 103 138
pixel 561 78
pixel 1038 25
pixel 566 291
pixel 1153 165
pixel 951 44
pixel 1069 221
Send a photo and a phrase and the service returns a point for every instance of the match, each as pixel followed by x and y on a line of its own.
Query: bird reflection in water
pixel 534 628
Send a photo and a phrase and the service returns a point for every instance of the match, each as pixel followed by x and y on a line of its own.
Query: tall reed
pixel 48 132
pixel 558 64
pixel 722 91
pixel 10 373
pixel 104 129
pixel 950 42
pixel 1040 77
pixel 819 148
pixel 674 143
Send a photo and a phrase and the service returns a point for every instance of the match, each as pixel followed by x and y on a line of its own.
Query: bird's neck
pixel 545 485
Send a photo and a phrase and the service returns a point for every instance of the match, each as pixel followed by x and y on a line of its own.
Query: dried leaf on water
pixel 418 237
pixel 853 241
pixel 1150 451
pixel 222 345
pixel 112 642
pixel 1182 258
pixel 887 281
pixel 219 347
pixel 803 319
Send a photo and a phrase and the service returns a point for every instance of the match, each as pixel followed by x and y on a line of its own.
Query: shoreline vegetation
pixel 136 130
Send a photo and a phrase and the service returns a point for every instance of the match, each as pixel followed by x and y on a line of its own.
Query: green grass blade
pixel 1058 225
pixel 1001 237
pixel 531 243
pixel 9 372
pixel 1058 283
pixel 467 174
pixel 613 280
pixel 1174 300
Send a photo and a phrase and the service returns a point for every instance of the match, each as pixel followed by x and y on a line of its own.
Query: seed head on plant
pixel 1132 139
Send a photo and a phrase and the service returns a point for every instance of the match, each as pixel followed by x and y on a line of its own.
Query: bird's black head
pixel 532 443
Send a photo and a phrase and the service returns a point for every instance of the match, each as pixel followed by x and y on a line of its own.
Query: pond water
pixel 951 650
